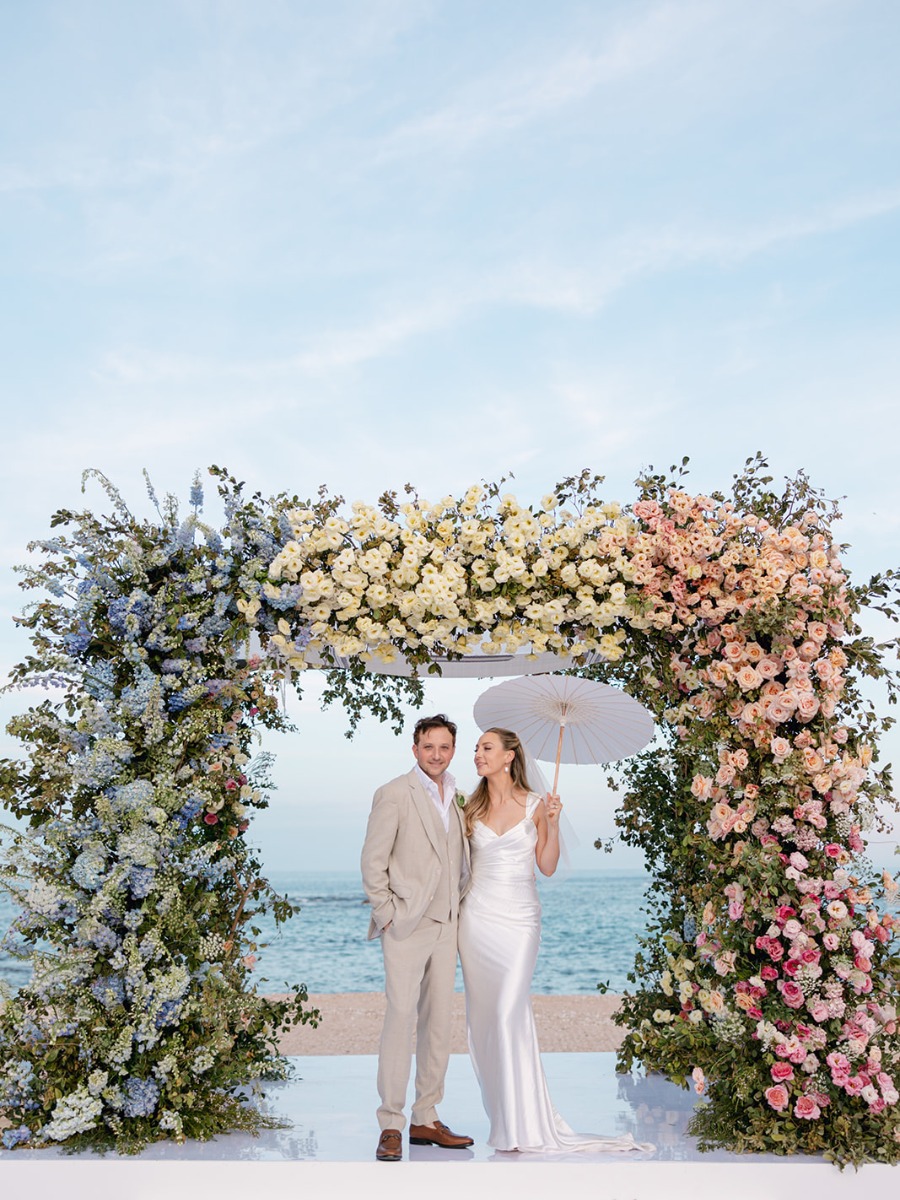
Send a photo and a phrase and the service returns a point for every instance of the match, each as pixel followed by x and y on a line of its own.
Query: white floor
pixel 328 1149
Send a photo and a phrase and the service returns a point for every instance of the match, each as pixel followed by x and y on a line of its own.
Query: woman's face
pixel 490 757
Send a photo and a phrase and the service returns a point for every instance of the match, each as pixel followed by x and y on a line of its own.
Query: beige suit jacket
pixel 401 856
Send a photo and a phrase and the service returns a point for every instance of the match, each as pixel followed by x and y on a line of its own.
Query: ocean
pixel 591 922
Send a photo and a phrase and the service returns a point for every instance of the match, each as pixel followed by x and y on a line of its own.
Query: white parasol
pixel 567 718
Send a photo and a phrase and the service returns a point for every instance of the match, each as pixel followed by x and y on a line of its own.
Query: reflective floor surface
pixel 328 1143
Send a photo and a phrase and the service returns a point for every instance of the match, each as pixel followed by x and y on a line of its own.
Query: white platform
pixel 328 1150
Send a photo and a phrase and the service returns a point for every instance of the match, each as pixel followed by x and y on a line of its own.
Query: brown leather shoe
pixel 438 1135
pixel 390 1146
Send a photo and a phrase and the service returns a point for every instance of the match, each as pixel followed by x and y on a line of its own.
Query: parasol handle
pixel 562 730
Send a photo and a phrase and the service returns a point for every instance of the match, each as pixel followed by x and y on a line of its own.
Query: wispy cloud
pixel 515 97
pixel 545 283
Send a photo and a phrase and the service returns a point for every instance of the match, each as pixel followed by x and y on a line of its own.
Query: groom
pixel 414 863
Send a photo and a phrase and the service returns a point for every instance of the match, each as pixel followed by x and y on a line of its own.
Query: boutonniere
pixel 460 800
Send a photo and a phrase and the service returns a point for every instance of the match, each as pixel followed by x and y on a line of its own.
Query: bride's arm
pixel 546 821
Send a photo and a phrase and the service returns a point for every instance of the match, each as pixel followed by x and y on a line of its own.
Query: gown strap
pixel 531 803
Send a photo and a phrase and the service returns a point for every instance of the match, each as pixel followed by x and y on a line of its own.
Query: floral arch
pixel 769 976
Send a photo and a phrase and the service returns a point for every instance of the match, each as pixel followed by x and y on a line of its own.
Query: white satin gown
pixel 499 935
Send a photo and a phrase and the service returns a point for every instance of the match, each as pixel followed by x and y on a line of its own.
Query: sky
pixel 369 242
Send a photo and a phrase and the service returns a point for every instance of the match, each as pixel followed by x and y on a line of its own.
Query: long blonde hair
pixel 480 801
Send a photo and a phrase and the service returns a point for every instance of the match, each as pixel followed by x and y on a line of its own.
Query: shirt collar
pixel 449 788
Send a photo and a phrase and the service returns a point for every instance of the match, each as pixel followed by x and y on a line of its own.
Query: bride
pixel 510 829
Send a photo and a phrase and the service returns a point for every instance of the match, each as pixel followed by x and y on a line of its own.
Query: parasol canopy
pixel 565 718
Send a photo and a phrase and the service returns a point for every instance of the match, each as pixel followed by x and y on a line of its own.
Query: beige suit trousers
pixel 419 973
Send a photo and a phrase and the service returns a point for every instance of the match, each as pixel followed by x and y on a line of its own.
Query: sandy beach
pixel 351 1024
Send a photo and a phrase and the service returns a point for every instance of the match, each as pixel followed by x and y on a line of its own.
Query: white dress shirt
pixel 441 802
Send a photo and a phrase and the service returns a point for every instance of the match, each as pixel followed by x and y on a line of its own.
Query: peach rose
pixel 748 677
pixel 780 748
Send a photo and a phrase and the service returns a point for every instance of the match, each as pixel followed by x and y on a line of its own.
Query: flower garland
pixel 769 981
pixel 733 620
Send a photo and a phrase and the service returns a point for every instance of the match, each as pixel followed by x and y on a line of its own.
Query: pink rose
pixel 778 1097
pixel 831 941
pixel 807 1109
pixel 782 1071
pixel 792 994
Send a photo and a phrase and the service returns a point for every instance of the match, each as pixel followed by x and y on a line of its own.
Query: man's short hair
pixel 438 721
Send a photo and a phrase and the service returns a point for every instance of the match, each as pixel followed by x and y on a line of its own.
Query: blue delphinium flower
pixel 77 643
pixel 168 1013
pixel 16 1084
pixel 100 680
pixel 283 598
pixel 109 990
pixel 187 813
pixel 184 539
pixel 130 614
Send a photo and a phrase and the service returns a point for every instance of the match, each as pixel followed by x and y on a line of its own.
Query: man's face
pixel 434 750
